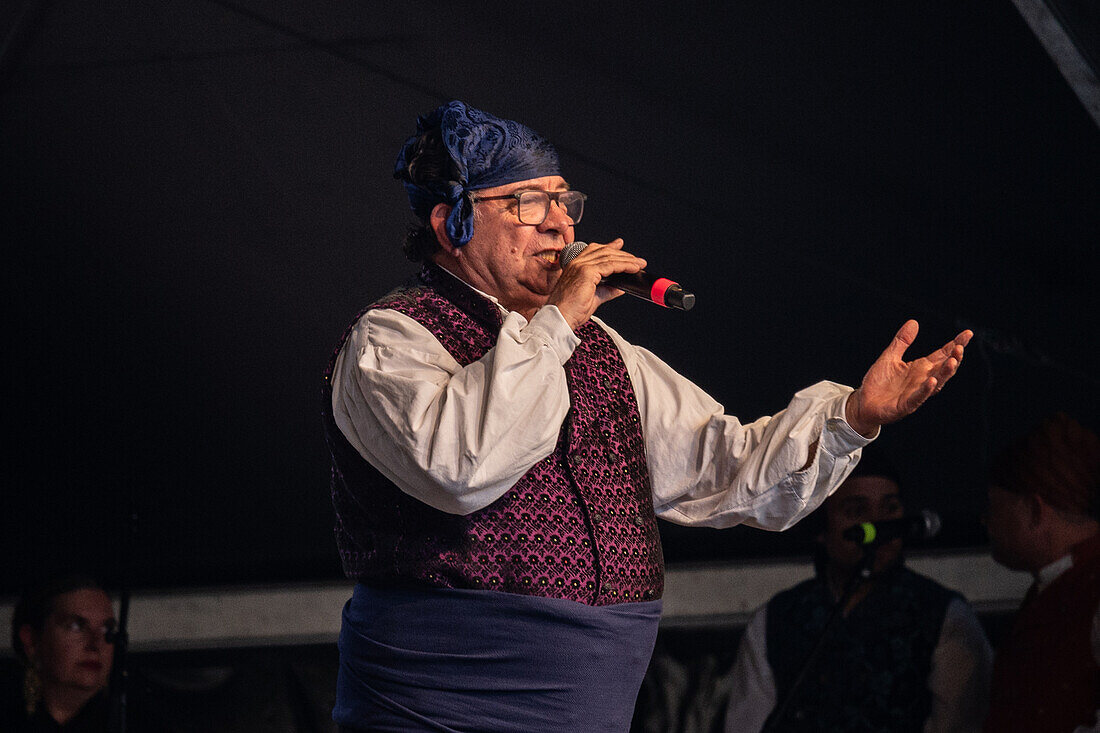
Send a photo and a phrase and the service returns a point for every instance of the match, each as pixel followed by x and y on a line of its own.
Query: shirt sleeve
pixel 453 437
pixel 1095 639
pixel 1093 728
pixel 709 469
pixel 961 668
pixel 752 695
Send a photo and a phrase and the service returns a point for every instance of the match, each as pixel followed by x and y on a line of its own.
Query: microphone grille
pixel 570 252
pixel 932 523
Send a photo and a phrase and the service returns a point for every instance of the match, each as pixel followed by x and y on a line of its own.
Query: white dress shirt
pixel 457 438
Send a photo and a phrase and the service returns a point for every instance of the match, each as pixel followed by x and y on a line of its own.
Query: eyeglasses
pixel 534 206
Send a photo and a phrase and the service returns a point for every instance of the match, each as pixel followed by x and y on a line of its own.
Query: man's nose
pixel 883 515
pixel 558 221
pixel 94 639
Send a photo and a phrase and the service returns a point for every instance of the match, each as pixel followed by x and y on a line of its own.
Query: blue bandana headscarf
pixel 487 151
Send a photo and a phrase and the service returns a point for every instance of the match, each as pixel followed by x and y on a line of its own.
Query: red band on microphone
pixel 657 292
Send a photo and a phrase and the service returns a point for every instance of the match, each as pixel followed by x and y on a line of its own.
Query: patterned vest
pixel 1045 677
pixel 579 525
pixel 873 670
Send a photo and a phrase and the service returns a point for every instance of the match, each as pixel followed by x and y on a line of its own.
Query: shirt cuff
pixel 838 437
pixel 549 326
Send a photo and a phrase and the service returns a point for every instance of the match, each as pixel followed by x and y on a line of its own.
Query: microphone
pixel 659 290
pixel 923 526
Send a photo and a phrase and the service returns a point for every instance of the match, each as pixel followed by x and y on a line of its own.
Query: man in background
pixel 1044 506
pixel 906 654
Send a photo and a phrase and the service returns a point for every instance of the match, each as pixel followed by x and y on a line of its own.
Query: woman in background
pixel 61 633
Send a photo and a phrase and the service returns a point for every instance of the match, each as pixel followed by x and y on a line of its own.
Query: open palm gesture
pixel 893 388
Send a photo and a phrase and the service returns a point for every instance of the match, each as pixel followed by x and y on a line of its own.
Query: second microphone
pixel 659 290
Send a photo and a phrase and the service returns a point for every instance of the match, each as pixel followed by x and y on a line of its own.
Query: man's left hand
pixel 893 388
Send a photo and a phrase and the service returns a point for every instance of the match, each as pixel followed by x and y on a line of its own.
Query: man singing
pixel 500 455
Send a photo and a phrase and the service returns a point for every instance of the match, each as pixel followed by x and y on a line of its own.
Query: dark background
pixel 197 198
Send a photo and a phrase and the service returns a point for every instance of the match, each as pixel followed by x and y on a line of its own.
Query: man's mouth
pixel 549 255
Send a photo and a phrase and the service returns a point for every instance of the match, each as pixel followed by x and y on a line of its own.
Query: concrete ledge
pixel 695 595
pixel 728 594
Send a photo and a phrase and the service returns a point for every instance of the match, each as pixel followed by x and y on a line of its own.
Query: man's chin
pixel 1007 559
pixel 541 287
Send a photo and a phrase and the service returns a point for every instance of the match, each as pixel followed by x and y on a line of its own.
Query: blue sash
pixel 463 660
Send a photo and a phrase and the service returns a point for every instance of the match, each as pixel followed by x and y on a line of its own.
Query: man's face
pixel 71 650
pixel 515 262
pixel 861 499
pixel 1011 531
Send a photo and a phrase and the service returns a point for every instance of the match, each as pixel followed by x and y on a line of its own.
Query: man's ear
pixel 438 223
pixel 1037 509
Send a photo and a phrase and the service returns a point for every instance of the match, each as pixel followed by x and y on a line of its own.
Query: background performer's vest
pixel 579 525
pixel 1045 677
pixel 872 674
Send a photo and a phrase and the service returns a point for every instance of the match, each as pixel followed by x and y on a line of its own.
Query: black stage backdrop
pixel 197 199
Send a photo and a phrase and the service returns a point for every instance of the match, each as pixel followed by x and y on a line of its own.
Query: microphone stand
pixel 860 575
pixel 120 638
pixel 119 674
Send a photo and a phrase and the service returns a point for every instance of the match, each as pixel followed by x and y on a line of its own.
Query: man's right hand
pixel 578 293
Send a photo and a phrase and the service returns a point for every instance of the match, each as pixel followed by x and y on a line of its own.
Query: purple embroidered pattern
pixel 578 525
